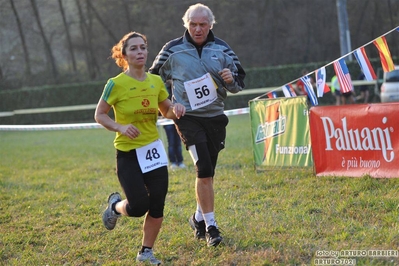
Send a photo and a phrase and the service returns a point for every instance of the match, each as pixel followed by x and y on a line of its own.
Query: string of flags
pixel 341 71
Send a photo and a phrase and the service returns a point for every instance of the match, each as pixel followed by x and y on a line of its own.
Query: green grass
pixel 54 186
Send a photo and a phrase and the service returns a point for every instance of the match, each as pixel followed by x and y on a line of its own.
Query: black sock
pixel 113 208
pixel 143 248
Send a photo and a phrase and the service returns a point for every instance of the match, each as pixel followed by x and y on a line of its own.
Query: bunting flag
pixel 321 85
pixel 344 78
pixel 385 54
pixel 289 91
pixel 309 90
pixel 272 94
pixel 342 73
pixel 365 65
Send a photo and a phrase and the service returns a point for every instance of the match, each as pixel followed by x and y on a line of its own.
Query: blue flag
pixel 309 90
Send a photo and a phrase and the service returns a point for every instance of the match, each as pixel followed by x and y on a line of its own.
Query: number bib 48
pixel 201 91
pixel 152 156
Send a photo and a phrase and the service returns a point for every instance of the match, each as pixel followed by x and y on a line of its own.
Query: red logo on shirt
pixel 145 103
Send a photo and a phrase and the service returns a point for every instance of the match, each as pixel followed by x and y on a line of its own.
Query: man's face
pixel 199 28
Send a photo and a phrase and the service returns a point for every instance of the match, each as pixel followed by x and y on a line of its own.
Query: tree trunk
pixel 45 41
pixel 91 61
pixel 98 17
pixel 28 70
pixel 68 35
pixel 126 8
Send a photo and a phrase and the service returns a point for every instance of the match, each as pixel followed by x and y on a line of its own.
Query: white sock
pixel 209 219
pixel 198 214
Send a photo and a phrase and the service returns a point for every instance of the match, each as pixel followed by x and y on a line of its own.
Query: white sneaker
pixel 182 165
pixel 173 166
pixel 148 256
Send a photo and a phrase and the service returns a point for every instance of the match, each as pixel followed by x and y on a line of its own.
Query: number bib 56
pixel 152 156
pixel 201 91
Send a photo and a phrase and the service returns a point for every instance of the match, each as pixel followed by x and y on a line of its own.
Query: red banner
pixel 355 140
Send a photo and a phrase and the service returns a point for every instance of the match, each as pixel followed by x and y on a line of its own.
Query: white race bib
pixel 152 156
pixel 201 91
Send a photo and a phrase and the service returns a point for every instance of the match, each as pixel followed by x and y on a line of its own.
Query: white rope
pixel 160 122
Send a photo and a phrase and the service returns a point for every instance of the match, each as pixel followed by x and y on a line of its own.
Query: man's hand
pixel 226 75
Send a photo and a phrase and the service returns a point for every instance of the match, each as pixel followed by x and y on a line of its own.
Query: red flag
pixel 272 94
pixel 385 54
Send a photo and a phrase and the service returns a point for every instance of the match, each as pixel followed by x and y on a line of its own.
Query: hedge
pixel 89 93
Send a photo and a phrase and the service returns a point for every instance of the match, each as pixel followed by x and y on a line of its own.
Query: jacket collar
pixel 210 38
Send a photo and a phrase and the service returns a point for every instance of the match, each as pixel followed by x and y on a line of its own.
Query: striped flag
pixel 321 85
pixel 272 94
pixel 288 91
pixel 385 54
pixel 309 90
pixel 365 65
pixel 344 78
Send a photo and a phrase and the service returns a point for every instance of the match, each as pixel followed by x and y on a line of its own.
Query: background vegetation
pixel 54 186
pixel 55 42
pixel 56 53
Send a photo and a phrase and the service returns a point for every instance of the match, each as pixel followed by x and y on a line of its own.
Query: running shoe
pixel 147 256
pixel 198 227
pixel 213 237
pixel 109 216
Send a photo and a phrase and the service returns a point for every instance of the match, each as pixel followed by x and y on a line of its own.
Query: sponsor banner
pixel 280 132
pixel 356 140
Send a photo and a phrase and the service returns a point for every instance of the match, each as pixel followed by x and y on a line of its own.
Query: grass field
pixel 54 186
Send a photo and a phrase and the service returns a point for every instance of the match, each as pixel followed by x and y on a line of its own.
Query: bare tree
pixel 262 33
pixel 98 17
pixel 68 35
pixel 28 71
pixel 125 4
pixel 91 62
pixel 47 46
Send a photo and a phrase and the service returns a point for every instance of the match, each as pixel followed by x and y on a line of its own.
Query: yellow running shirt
pixel 135 102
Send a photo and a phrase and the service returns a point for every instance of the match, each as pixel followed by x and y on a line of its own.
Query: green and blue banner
pixel 280 132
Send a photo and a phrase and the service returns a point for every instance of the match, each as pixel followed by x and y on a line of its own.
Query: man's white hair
pixel 195 9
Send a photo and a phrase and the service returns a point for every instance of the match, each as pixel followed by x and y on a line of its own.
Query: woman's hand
pixel 172 111
pixel 129 131
pixel 179 110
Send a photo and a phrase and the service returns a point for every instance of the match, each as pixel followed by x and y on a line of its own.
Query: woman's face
pixel 136 52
